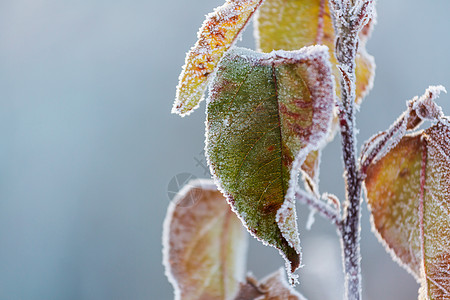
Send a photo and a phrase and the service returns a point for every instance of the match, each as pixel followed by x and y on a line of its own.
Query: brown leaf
pixel 204 244
pixel 273 287
pixel 408 191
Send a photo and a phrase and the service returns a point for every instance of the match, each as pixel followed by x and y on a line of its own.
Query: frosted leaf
pixel 435 216
pixel 279 107
pixel 408 191
pixel 217 34
pixel 293 24
pixel 419 109
pixel 272 287
pixel 204 244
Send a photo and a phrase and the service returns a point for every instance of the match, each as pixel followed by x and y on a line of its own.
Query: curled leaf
pixel 425 108
pixel 204 244
pixel 217 34
pixel 265 113
pixel 408 191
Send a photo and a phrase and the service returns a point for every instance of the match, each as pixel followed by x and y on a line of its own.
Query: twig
pixel 319 206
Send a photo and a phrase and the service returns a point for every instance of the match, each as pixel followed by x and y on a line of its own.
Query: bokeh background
pixel 88 145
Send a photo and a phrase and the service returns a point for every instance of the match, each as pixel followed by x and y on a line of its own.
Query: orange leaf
pixel 217 34
pixel 408 191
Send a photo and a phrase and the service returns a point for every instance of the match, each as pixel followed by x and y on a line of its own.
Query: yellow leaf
pixel 293 24
pixel 217 34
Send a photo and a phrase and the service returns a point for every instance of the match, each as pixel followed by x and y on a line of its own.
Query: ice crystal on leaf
pixel 278 108
pixel 408 191
pixel 218 33
pixel 204 245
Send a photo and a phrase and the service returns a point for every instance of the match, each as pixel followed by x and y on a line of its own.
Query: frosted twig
pixel 320 207
pixel 349 17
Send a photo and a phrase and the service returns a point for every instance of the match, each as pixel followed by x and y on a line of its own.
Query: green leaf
pixel 204 244
pixel 408 191
pixel 265 113
pixel 219 31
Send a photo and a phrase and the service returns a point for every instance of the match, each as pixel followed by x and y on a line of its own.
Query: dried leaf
pixel 273 287
pixel 265 113
pixel 310 170
pixel 293 24
pixel 276 287
pixel 204 244
pixel 217 34
pixel 408 191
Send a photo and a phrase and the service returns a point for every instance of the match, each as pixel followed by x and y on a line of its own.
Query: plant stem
pixel 350 228
pixel 348 21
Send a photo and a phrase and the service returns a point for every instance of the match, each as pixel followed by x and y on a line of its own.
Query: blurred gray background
pixel 88 145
